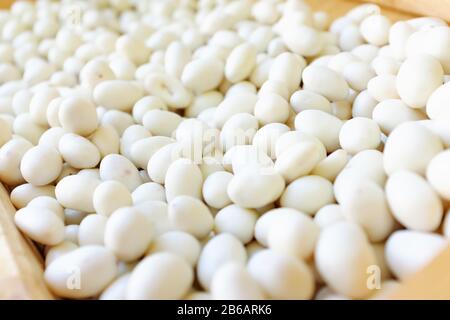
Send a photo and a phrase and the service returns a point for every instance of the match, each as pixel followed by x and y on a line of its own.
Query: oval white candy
pixel 81 273
pixel 160 276
pixel 413 202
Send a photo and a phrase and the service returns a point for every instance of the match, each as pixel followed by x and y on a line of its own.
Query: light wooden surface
pixel 5 3
pixel 338 8
pixel 424 7
pixel 432 283
pixel 21 271
pixel 434 8
pixel 395 9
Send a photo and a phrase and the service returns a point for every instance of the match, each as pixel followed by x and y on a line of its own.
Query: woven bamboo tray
pixel 21 264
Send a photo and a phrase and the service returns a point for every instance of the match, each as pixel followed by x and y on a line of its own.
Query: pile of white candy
pixel 225 149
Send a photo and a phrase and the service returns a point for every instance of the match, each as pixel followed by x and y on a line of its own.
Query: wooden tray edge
pixel 21 267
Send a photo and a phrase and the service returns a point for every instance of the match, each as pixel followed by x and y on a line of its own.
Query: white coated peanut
pixel 237 221
pixel 437 103
pixel 78 115
pixel 359 134
pixel 410 147
pixel 390 113
pixel 421 213
pixel 202 74
pixel 109 196
pixel 281 276
pixel 215 189
pixel 160 276
pixel 190 215
pixel 76 192
pixel 308 194
pixel 95 265
pixel 92 230
pixel 233 282
pixel 78 152
pixel 118 168
pixel 117 94
pixel 254 189
pixel 218 251
pixel 297 160
pixel 417 78
pixel 365 203
pixel 304 99
pixel 147 192
pixel 41 165
pixel 128 233
pixel 295 235
pixel 321 125
pixel 438 174
pixel 183 178
pixel 270 108
pixel 40 224
pixel 23 194
pixel 326 82
pixel 240 63
pixel 344 245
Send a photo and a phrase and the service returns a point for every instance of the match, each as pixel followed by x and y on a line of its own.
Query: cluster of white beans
pixel 246 149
